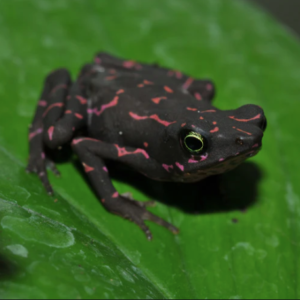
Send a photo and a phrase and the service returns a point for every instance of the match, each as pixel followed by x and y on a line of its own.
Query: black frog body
pixel 158 121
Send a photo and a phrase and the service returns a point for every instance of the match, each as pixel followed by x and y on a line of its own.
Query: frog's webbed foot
pixel 135 211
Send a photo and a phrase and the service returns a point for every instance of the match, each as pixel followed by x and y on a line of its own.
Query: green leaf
pixel 68 246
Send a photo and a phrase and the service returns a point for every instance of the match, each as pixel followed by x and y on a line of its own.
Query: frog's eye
pixel 194 142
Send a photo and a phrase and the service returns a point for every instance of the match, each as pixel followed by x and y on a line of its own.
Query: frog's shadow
pixel 235 190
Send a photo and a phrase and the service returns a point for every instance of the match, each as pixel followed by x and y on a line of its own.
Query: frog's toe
pixel 151 217
pixel 51 165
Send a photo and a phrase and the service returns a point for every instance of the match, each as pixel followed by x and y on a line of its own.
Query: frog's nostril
pixel 239 141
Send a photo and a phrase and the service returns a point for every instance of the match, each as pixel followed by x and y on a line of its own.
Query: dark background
pixel 286 11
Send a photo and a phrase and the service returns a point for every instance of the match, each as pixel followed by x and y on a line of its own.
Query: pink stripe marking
pixel 255 145
pixel 158 99
pixel 210 110
pixel 181 167
pixel 128 64
pixel 78 116
pixel 166 167
pixel 183 124
pixel 245 120
pixel 76 141
pixel 97 112
pixel 241 130
pixel 122 151
pixel 187 83
pixel 43 103
pixel 198 96
pixel 120 92
pixel 168 90
pixel 148 82
pixel 50 132
pixel 111 77
pixel 178 74
pixel 221 159
pixel 36 132
pixel 87 168
pixel 216 129
pixel 59 104
pixel 68 111
pixel 203 157
pixel 60 86
pixel 154 117
pixel 105 169
pixel 81 99
pixel 191 108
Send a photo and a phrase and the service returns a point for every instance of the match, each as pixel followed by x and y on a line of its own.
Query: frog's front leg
pixel 91 152
pixel 61 110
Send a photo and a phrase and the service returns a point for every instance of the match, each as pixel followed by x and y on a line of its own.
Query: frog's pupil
pixel 193 143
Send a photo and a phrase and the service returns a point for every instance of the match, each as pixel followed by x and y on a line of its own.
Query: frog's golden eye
pixel 194 142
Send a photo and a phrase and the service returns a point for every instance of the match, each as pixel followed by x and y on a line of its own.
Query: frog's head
pixel 218 141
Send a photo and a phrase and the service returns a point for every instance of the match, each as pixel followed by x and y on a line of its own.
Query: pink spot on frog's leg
pixel 255 146
pixel 183 124
pixel 187 83
pixel 43 103
pixel 167 167
pixel 221 159
pixel 214 123
pixel 158 99
pixel 105 169
pixel 115 195
pixel 68 111
pixel 140 85
pixel 87 168
pixel 168 89
pixel 79 116
pixel 43 155
pixel 146 144
pixel 181 167
pixel 216 129
pixel 201 118
pixel 81 99
pixel 50 132
pixel 191 108
pixel 120 92
pixel 198 96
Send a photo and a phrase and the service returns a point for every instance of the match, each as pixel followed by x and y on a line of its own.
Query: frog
pixel 155 120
